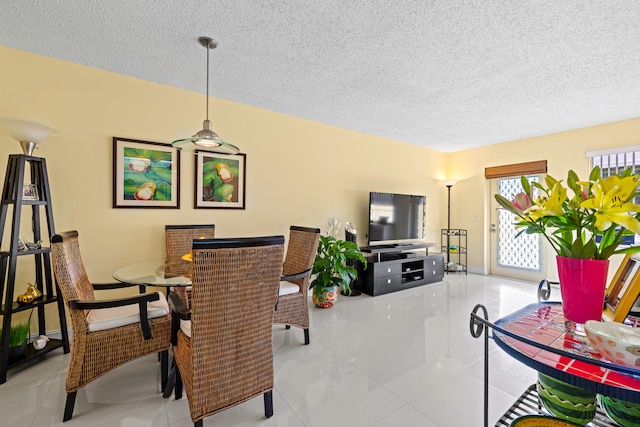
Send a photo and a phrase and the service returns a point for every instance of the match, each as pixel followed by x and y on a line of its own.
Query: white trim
pixel 617 150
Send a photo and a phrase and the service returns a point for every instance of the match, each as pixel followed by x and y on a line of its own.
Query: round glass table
pixel 150 272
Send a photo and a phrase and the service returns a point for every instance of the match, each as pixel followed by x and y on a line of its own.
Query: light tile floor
pixel 403 359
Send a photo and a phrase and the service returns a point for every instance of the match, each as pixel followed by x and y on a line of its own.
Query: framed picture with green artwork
pixel 220 180
pixel 145 174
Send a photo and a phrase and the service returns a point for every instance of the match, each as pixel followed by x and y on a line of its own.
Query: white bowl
pixel 616 342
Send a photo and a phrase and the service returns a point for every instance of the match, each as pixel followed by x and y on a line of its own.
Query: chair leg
pixel 68 407
pixel 164 367
pixel 268 404
pixel 306 336
pixel 287 326
pixel 171 380
pixel 178 388
pixel 198 423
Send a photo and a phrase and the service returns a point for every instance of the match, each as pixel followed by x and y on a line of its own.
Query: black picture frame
pixel 220 180
pixel 145 174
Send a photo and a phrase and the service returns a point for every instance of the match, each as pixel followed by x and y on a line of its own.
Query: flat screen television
pixel 396 218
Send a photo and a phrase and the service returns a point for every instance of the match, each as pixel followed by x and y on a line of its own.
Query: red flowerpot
pixel 583 283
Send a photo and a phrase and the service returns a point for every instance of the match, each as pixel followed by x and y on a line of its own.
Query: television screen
pixel 396 217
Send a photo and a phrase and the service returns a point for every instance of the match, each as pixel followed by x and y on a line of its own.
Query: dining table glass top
pixel 150 272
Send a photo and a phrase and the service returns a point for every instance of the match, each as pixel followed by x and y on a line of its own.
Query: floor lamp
pixel 449 183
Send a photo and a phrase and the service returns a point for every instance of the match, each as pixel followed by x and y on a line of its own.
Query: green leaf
pixel 208 178
pixel 223 191
pixel 161 174
pixel 526 187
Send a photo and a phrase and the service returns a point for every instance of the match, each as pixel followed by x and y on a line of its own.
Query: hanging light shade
pixel 207 139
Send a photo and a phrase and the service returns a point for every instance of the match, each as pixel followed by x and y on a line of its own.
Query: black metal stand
pixel 14 194
pixel 477 325
pixel 448 224
pixel 350 236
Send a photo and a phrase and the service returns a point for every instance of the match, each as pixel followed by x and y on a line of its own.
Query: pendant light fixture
pixel 206 139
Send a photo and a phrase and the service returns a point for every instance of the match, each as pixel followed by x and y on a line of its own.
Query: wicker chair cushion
pixel 107 318
pixel 287 288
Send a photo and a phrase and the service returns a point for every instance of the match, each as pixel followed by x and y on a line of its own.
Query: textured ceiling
pixel 444 74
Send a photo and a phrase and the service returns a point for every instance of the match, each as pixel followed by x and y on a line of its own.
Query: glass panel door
pixel 519 257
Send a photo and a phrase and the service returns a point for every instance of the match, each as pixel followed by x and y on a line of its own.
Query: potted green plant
pixel 17 339
pixel 331 270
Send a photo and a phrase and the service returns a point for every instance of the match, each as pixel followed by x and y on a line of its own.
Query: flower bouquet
pixel 584 228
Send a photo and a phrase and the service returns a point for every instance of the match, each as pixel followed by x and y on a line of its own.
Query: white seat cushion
pixel 185 327
pixel 107 318
pixel 287 288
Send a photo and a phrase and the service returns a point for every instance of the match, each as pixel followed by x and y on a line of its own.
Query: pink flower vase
pixel 583 283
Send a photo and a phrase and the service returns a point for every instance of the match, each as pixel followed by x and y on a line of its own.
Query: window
pixel 615 161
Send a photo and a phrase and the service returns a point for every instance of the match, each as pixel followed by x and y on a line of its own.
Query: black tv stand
pixel 393 268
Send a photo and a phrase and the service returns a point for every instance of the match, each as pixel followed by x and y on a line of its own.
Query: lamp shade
pixel 206 139
pixel 27 133
pixel 449 182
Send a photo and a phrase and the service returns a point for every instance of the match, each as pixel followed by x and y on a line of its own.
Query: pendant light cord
pixel 208 47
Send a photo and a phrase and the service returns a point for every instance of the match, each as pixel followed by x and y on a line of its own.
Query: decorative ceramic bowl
pixel 565 401
pixel 541 421
pixel 627 414
pixel 616 342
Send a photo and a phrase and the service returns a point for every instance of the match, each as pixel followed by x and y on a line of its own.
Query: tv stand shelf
pixel 398 268
pixel 395 248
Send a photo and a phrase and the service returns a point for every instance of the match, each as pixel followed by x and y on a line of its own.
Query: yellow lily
pixel 548 206
pixel 610 203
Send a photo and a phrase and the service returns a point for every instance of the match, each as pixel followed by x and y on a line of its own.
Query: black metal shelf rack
pixel 14 197
pixel 453 243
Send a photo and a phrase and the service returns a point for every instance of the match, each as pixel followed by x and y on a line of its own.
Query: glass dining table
pixel 152 272
pixel 149 272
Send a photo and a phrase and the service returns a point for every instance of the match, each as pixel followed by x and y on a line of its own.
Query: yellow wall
pixel 563 151
pixel 298 171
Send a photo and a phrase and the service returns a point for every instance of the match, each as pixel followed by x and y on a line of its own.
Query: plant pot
pixel 327 297
pixel 16 352
pixel 583 283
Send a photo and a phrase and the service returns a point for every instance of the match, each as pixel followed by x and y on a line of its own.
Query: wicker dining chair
pixel 178 240
pixel 223 345
pixel 293 306
pixel 106 333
